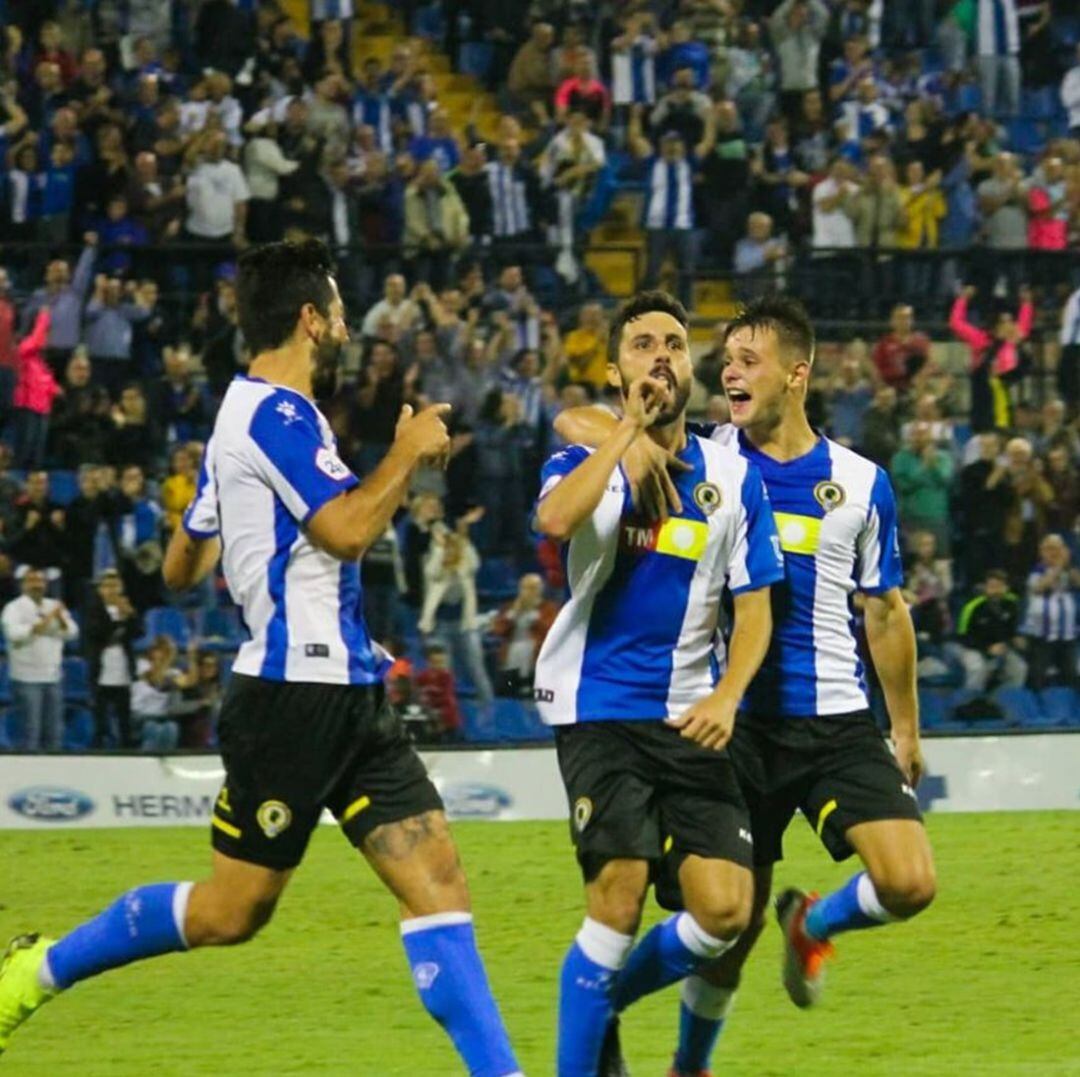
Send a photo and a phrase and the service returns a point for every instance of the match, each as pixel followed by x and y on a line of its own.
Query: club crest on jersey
pixel 829 495
pixel 582 813
pixel 273 817
pixel 287 410
pixel 707 497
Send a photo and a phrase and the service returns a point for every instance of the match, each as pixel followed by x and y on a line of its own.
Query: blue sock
pixel 453 986
pixel 668 953
pixel 853 907
pixel 702 1014
pixel 144 922
pixel 585 1007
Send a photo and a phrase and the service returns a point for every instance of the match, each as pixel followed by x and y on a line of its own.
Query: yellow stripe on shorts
pixel 224 827
pixel 829 808
pixel 355 808
pixel 798 534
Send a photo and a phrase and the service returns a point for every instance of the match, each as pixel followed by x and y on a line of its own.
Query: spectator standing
pixel 530 81
pixel 82 517
pixel 36 628
pixel 1068 373
pixel 998 358
pixel 200 702
pixel 436 225
pixel 669 203
pixel 902 355
pixel 438 693
pixel 111 315
pixel 8 357
pixel 64 295
pixel 1003 200
pixel 585 348
pixel 178 488
pixel 1070 94
pixel 395 310
pixel 759 258
pixel 1063 512
pixel 217 197
pixel 37 536
pixel 135 440
pixel 584 93
pixel 998 35
pixel 797 28
pixel 633 61
pixel 988 630
pixel 471 181
pixel 516 202
pixel 111 627
pixel 1050 623
pixel 35 391
pixel 922 473
pixel 1029 498
pixel 521 627
pixel 850 395
pixel 155 694
pixel 880 437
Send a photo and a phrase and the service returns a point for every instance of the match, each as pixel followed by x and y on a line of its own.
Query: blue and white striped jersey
pixel 836 516
pixel 269 466
pixel 636 639
pixel 669 198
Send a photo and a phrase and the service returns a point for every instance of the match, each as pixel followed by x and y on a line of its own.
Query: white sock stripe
pixel 438 919
pixel 603 945
pixel 696 939
pixel 45 974
pixel 180 898
pixel 869 901
pixel 706 1000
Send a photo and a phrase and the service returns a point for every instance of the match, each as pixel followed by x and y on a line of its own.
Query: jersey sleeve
pixel 296 462
pixel 558 466
pixel 703 430
pixel 200 519
pixel 879 568
pixel 756 560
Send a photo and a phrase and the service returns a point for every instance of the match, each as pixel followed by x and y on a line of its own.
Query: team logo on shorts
pixel 829 495
pixel 582 813
pixel 273 817
pixel 707 497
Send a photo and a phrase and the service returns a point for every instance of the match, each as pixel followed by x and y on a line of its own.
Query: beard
pixel 680 395
pixel 324 368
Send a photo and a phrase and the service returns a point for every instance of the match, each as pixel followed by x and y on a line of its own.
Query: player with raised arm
pixel 805 738
pixel 628 678
pixel 305 724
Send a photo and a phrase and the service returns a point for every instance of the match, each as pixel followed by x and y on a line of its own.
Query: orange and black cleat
pixel 804 957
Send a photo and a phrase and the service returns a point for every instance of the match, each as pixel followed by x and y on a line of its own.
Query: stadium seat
pixel 76 682
pixel 78 728
pixel 63 487
pixel 1061 706
pixel 167 621
pixel 475 58
pixel 933 707
pixel 5 685
pixel 1019 704
pixel 219 629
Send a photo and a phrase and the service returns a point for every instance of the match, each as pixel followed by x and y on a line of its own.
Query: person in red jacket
pixel 438 692
pixel 35 391
pixel 998 358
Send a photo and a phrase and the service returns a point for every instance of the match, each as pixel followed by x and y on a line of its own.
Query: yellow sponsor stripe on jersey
pixel 683 538
pixel 355 808
pixel 826 811
pixel 224 827
pixel 798 534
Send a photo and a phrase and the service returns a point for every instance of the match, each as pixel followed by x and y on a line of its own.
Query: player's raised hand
pixel 648 466
pixel 644 401
pixel 709 722
pixel 424 436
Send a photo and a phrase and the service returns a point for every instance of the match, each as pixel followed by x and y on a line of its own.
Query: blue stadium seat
pixel 76 682
pixel 475 58
pixel 167 621
pixel 1019 704
pixel 496 580
pixel 63 487
pixel 1024 135
pixel 78 729
pixel 933 707
pixel 220 629
pixel 5 685
pixel 1061 706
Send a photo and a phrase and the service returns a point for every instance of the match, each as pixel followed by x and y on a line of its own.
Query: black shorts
pixel 837 770
pixel 638 789
pixel 292 749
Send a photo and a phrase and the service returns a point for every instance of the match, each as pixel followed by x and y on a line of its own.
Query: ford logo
pixel 476 800
pixel 50 803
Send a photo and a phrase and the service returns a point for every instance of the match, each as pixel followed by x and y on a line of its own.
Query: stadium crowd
pixel 911 170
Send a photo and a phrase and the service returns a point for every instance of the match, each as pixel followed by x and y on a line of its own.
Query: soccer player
pixel 305 724
pixel 805 737
pixel 627 676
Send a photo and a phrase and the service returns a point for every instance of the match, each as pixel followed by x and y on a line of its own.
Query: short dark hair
pixel 997 574
pixel 785 316
pixel 273 282
pixel 634 308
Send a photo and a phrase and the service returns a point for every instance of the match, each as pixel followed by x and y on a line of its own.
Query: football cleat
pixel 804 957
pixel 21 992
pixel 612 1063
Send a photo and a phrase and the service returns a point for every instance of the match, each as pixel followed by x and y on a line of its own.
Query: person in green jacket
pixel 922 474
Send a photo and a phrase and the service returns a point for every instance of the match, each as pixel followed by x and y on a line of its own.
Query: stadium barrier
pixel 1013 773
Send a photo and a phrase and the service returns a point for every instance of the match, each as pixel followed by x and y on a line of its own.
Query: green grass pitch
pixel 987 982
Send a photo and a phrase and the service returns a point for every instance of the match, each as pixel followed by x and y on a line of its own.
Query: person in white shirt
pixel 395 307
pixel 1068 376
pixel 110 628
pixel 217 194
pixel 833 226
pixel 36 629
pixel 1070 95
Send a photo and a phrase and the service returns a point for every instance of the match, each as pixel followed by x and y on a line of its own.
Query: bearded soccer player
pixel 305 724
pixel 628 678
pixel 805 738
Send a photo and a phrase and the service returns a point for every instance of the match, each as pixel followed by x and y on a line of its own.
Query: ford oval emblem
pixel 50 803
pixel 476 800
